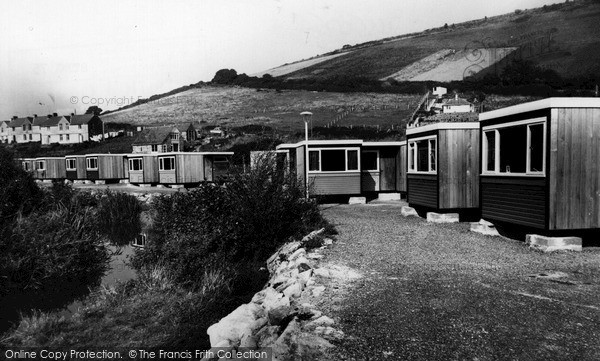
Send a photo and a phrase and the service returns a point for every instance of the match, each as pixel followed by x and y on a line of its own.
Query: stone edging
pixel 281 316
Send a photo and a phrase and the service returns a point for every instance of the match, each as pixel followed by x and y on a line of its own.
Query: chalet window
pixel 220 163
pixel 40 165
pixel 26 166
pixel 314 163
pixel 515 148
pixel 166 163
pixel 422 155
pixel 92 163
pixel 370 160
pixel 333 160
pixel 136 164
pixel 71 164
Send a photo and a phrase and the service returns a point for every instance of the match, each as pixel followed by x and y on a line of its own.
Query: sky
pixel 64 56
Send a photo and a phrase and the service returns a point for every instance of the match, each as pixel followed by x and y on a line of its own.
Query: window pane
pixel 333 160
pixel 369 161
pixel 491 150
pixel 536 148
pixel 313 160
pixel 411 156
pixel 512 149
pixel 432 156
pixel 353 160
pixel 422 156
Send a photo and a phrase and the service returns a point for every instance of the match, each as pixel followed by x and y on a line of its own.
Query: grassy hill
pixel 563 37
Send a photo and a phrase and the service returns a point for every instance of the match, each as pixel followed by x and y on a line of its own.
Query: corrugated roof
pixel 153 135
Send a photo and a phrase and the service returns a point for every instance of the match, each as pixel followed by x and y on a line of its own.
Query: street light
pixel 306 116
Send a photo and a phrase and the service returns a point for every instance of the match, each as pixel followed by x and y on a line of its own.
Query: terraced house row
pixel 49 129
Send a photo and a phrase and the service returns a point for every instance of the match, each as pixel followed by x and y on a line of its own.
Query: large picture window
pixel 92 163
pixel 370 160
pixel 333 160
pixel 136 164
pixel 515 148
pixel 422 155
pixel 166 163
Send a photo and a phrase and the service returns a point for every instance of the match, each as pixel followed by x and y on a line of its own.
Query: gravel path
pixel 440 292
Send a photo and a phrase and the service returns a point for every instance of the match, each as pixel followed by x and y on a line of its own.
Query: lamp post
pixel 306 116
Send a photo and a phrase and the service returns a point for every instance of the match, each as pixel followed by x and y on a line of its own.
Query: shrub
pixel 230 227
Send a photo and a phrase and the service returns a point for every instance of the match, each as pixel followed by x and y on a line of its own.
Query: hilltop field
pixel 561 37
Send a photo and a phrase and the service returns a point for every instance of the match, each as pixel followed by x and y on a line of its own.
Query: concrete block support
pixel 551 244
pixel 433 217
pixel 389 196
pixel 100 182
pixel 484 227
pixel 407 211
pixel 357 200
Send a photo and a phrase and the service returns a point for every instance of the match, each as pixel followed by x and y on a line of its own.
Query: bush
pixel 225 228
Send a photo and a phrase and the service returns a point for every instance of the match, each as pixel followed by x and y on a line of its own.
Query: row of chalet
pixel 53 128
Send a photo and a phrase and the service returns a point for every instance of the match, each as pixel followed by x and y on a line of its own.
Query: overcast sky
pixel 51 51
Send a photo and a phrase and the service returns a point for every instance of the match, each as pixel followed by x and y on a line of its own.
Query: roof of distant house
pixel 457 101
pixel 17 122
pixel 153 135
pixel 47 121
pixel 184 127
pixel 81 119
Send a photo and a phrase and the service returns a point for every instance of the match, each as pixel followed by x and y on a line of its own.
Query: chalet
pixel 457 105
pixel 540 164
pixel 348 167
pixel 158 140
pixel 443 165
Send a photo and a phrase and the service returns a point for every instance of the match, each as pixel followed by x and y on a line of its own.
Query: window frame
pixel 528 123
pixel 376 151
pixel 67 160
pixel 141 163
pixel 412 155
pixel 87 163
pixel 37 165
pixel 161 164
pixel 346 149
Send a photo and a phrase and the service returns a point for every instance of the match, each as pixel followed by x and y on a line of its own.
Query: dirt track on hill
pixel 440 292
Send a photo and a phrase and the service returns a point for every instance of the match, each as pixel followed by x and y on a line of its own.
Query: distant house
pixel 21 130
pixel 51 128
pixel 457 105
pixel 439 91
pixel 4 131
pixel 217 131
pixel 85 126
pixel 158 140
pixel 188 132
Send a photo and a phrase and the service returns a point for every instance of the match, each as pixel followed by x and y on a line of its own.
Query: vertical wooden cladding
pixel 189 168
pixel 574 168
pixel 111 167
pixel 458 168
pixel 401 169
pixel 150 168
pixel 422 190
pixel 55 168
pixel 518 200
pixel 388 163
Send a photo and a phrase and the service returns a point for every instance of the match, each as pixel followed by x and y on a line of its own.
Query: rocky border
pixel 282 317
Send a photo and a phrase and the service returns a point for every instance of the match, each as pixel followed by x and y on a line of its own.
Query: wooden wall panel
pixel 422 190
pixel 150 169
pixel 458 168
pixel 518 200
pixel 335 183
pixel 574 169
pixel 401 169
pixel 387 166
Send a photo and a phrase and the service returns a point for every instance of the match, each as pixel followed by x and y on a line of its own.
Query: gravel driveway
pixel 440 292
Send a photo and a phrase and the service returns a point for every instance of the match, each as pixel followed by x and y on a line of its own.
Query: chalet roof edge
pixel 557 102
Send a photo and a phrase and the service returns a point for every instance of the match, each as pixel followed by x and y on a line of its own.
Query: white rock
pixel 407 211
pixel 293 291
pixel 300 252
pixel 232 327
pixel 317 291
pixel 322 272
pixel 304 277
pixel 322 321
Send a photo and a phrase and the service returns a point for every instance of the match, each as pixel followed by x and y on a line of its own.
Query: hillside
pixel 236 107
pixel 563 37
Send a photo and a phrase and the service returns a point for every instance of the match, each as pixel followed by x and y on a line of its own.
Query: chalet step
pixel 484 227
pixel 389 196
pixel 357 200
